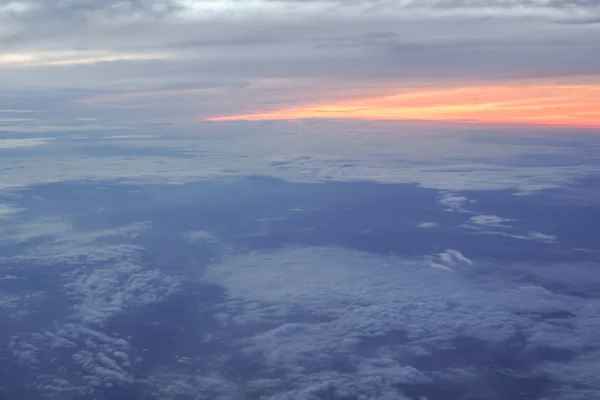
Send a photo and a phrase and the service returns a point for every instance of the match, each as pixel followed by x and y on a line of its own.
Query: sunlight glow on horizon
pixel 543 104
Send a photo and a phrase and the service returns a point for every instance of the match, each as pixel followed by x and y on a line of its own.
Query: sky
pixel 189 61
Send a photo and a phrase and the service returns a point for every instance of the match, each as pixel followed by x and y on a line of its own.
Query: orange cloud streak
pixel 548 104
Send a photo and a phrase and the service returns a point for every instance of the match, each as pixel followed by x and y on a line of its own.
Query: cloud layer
pixel 215 58
pixel 384 314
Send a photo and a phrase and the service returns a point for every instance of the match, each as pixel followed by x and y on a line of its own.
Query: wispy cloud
pixel 23 142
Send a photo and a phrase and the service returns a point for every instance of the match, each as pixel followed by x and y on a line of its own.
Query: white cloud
pixel 359 295
pixel 98 281
pixel 483 224
pixel 489 220
pixel 18 111
pixel 6 210
pixel 428 225
pixel 62 232
pixel 19 143
pixel 449 260
pixel 106 291
pixel 315 153
pixel 127 137
pixel 542 237
pixel 454 202
pixel 352 297
pixel 54 58
pixel 100 359
pixel 533 236
pixel 367 295
pixel 19 305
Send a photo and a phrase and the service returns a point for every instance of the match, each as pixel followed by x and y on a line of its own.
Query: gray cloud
pixel 283 52
pixel 87 9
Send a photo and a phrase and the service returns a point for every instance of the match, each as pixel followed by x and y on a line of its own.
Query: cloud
pixel 489 225
pixel 18 143
pixel 543 237
pixel 107 291
pixel 6 210
pixel 534 236
pixel 61 241
pixel 428 225
pixel 201 237
pixel 19 306
pixel 454 202
pixel 325 305
pixel 82 11
pixel 489 220
pixel 99 359
pixel 96 280
pixel 285 53
pixel 307 152
pixel 302 323
pixel 361 298
pixel 127 137
pixel 449 260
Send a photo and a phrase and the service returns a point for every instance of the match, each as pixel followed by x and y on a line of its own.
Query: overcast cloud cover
pixel 187 60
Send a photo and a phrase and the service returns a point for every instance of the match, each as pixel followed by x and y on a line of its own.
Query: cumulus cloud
pixel 454 202
pixel 60 241
pixel 98 279
pixel 449 259
pixel 325 304
pixel 362 295
pixel 489 220
pixel 106 291
pixel 100 360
